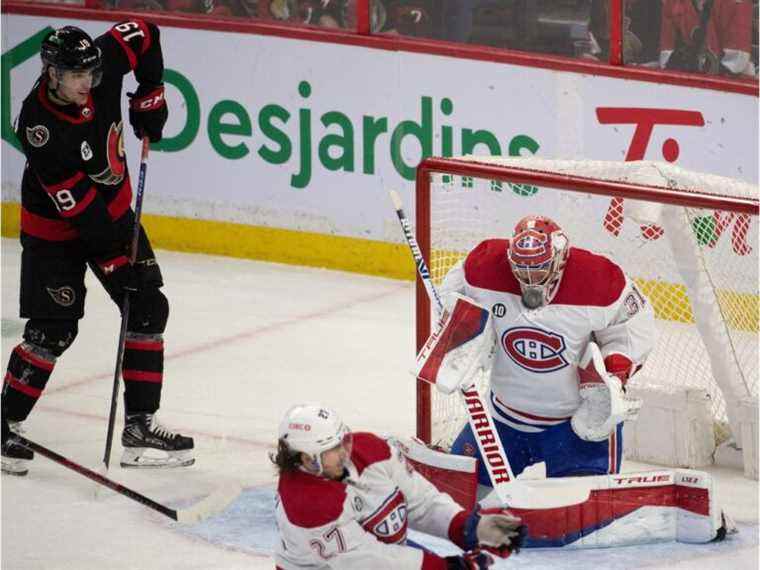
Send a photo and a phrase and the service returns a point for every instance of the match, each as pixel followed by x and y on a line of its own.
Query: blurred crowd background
pixel 717 37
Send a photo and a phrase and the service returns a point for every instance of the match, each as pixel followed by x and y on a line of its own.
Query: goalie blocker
pixel 618 510
pixel 460 347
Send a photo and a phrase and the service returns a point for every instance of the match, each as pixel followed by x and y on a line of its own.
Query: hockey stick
pixel 210 505
pixel 489 443
pixel 481 423
pixel 125 304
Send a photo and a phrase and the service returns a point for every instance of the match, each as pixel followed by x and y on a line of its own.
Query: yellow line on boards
pixel 10 220
pixel 265 244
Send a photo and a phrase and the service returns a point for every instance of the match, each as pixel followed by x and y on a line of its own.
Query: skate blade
pixel 136 458
pixel 15 467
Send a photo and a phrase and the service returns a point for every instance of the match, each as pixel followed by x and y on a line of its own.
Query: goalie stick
pixel 214 503
pixel 491 450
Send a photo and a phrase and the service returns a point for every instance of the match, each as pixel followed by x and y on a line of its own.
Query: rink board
pixel 273 139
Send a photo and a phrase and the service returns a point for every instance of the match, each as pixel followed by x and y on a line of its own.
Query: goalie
pixel 569 330
pixel 346 500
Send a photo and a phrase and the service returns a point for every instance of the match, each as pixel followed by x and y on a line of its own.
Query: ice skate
pixel 15 457
pixel 149 444
pixel 727 527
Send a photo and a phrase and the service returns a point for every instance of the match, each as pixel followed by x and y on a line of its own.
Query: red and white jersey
pixel 729 31
pixel 362 520
pixel 534 379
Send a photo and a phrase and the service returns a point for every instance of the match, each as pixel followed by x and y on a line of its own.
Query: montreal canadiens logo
pixel 534 349
pixel 389 522
pixel 531 246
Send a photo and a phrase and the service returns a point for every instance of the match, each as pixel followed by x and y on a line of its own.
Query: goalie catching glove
pixel 604 403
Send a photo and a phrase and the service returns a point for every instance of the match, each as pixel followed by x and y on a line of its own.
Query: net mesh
pixel 699 268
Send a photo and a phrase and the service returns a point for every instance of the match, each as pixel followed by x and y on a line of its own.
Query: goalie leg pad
pixel 627 509
pixel 452 474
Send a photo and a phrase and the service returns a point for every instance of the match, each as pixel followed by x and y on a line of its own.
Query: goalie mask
pixel 313 429
pixel 537 254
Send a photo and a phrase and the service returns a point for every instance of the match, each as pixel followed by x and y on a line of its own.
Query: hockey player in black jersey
pixel 76 212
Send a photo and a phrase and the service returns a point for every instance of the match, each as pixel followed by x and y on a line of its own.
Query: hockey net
pixel 689 240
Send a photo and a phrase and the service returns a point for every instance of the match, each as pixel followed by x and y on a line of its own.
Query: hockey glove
pixel 496 530
pixel 471 560
pixel 119 276
pixel 148 111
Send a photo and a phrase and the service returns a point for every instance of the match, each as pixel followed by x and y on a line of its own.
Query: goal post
pixel 688 239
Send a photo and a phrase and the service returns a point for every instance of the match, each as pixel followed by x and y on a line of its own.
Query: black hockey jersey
pixel 76 190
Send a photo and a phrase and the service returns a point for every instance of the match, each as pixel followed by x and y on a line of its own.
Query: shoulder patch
pixel 589 279
pixel 487 267
pixel 368 449
pixel 38 135
pixel 310 501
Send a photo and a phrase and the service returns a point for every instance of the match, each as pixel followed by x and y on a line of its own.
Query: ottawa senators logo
pixel 534 349
pixel 63 296
pixel 117 165
pixel 37 136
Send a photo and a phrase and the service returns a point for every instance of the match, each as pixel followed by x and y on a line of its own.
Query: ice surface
pixel 245 341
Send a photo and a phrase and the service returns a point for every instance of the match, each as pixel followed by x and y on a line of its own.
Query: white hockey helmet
pixel 538 252
pixel 313 429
